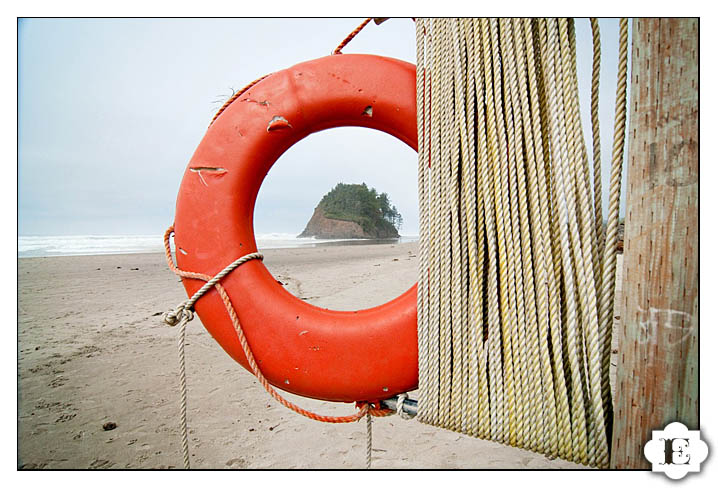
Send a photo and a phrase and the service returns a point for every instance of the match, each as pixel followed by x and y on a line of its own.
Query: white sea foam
pixel 87 245
pixel 33 246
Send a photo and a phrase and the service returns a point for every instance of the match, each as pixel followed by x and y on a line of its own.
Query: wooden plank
pixel 657 371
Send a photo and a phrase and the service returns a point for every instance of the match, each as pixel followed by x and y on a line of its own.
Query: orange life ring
pixel 319 353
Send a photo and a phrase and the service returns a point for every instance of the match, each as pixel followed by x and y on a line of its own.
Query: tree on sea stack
pixel 354 211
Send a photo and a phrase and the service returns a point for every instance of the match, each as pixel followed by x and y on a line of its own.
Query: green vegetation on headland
pixel 373 211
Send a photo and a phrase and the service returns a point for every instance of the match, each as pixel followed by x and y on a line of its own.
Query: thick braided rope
pixel 428 402
pixel 492 198
pixel 458 233
pixel 507 205
pixel 456 283
pixel 489 365
pixel 476 127
pixel 519 101
pixel 563 218
pixel 473 218
pixel 527 186
pixel 445 237
pixel 572 259
pixel 468 207
pixel 563 338
pixel 516 354
pixel 584 245
pixel 466 201
pixel 446 150
pixel 596 133
pixel 423 188
pixel 437 222
pixel 557 311
pixel 430 412
pixel 526 388
pixel 183 314
pixel 537 196
pixel 592 259
pixel 560 140
pixel 609 251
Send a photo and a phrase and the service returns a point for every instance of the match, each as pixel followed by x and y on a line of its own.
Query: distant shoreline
pixel 54 246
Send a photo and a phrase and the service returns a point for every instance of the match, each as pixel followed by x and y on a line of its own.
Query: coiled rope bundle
pixel 517 278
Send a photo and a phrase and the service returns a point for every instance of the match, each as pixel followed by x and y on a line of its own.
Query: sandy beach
pixel 93 350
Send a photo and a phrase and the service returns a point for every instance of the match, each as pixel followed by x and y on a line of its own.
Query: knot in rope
pixel 180 313
pixel 185 311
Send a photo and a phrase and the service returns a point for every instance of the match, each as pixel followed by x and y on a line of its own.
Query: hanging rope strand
pixel 596 134
pixel 352 35
pixel 608 288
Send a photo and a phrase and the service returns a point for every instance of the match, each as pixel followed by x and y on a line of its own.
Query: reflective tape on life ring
pixel 313 352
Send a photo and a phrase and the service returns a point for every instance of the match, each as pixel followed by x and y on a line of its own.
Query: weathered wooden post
pixel 657 371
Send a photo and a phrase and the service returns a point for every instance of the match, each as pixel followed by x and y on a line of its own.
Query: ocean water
pixel 39 246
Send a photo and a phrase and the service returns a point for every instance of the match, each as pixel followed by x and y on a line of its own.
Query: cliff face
pixel 320 226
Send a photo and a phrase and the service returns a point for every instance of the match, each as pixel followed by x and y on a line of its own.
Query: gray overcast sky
pixel 111 110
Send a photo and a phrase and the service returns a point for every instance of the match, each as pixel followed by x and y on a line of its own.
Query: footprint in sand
pixel 58 381
pixel 65 417
pixel 100 464
pixel 237 463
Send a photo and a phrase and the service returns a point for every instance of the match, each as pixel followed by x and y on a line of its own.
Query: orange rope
pixel 235 96
pixel 364 407
pixel 351 36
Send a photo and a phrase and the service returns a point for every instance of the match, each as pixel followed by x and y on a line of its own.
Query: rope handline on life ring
pixel 364 407
pixel 184 314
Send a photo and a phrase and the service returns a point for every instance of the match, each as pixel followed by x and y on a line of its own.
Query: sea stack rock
pixel 353 211
pixel 320 226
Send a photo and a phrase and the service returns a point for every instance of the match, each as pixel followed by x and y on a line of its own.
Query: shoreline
pixel 263 244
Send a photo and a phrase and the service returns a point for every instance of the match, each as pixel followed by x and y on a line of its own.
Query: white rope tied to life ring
pixel 182 315
pixel 400 406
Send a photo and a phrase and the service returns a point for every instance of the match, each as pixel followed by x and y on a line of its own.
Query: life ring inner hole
pixel 296 183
